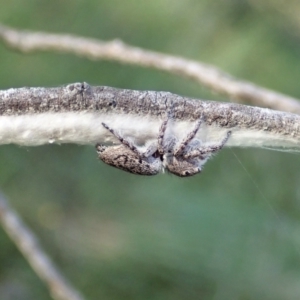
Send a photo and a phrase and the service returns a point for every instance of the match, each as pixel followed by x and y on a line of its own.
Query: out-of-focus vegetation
pixel 232 232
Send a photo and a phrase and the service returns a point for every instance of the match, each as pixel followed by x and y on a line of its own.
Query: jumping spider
pixel 183 159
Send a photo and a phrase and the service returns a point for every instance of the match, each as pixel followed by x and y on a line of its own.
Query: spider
pixel 182 159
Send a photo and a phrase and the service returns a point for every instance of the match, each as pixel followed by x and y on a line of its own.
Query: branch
pixel 74 114
pixel 28 245
pixel 209 76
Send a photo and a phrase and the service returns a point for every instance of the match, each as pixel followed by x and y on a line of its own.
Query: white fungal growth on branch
pixel 75 113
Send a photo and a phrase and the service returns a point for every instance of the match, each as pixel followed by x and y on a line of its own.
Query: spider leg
pixel 158 150
pixel 161 134
pixel 180 149
pixel 151 150
pixel 123 140
pixel 205 152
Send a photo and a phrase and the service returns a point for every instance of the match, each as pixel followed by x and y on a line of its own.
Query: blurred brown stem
pixel 28 245
pixel 206 75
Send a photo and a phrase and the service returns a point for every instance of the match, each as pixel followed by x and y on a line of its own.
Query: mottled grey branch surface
pixel 206 75
pixel 28 245
pixel 74 113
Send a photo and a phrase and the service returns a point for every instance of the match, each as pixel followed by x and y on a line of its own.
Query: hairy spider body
pixel 182 159
pixel 125 159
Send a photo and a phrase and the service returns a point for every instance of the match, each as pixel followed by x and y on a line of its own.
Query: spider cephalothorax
pixel 182 159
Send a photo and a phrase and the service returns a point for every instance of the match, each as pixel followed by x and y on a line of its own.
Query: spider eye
pixel 187 173
pixel 100 148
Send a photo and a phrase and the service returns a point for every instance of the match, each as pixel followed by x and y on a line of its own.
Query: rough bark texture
pixel 82 97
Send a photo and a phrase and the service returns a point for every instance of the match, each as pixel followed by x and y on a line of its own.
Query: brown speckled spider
pixel 182 159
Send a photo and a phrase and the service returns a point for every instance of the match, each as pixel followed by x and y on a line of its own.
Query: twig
pixel 28 245
pixel 209 76
pixel 74 113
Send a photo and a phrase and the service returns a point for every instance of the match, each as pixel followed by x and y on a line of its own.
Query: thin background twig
pixel 206 75
pixel 28 245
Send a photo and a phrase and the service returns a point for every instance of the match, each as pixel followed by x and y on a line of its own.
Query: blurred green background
pixel 232 232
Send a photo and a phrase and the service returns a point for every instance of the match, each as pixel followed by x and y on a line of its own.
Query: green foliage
pixel 225 234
